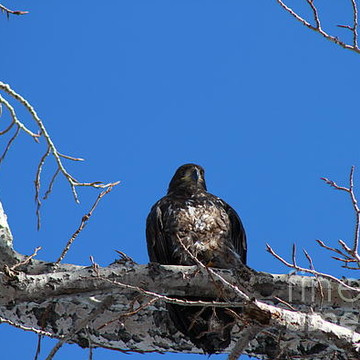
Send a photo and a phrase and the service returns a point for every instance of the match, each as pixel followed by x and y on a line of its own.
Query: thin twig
pixel 9 144
pixel 213 273
pixel 345 27
pixel 322 244
pixel 351 267
pixel 14 116
pixel 90 344
pixel 246 336
pixel 156 296
pixel 344 260
pixel 335 185
pixel 37 183
pixel 318 28
pixel 38 347
pixel 26 259
pixel 355 23
pixel 138 309
pixel 285 303
pixel 8 128
pixel 309 271
pixel 84 220
pixel 293 256
pixel 171 300
pixel 350 190
pixel 71 157
pixel 357 212
pixel 315 13
pixel 130 313
pixel 311 266
pixel 27 328
pixel 124 257
pixel 43 132
pixel 12 12
pixel 51 184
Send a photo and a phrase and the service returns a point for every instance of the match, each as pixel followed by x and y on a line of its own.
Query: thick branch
pixel 303 316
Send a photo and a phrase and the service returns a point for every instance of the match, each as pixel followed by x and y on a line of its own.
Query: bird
pixel 191 225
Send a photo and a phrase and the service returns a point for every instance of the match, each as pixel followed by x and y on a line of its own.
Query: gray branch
pixel 287 315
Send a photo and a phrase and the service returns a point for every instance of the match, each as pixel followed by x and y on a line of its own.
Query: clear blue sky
pixel 138 88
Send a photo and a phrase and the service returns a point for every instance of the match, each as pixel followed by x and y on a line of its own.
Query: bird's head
pixel 188 178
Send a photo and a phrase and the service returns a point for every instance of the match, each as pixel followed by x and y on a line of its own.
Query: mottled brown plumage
pixel 212 231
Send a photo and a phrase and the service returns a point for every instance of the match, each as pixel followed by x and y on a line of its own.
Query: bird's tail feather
pixel 208 328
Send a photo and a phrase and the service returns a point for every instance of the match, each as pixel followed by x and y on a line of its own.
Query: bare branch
pixel 213 273
pixel 172 300
pixel 308 257
pixel 130 313
pixel 309 271
pixel 315 12
pixel 244 340
pixel 43 133
pixel 285 303
pixel 354 27
pixel 13 113
pixel 51 184
pixel 84 220
pixel 351 267
pixel 311 266
pixel 37 186
pixel 317 28
pixel 12 12
pixel 322 244
pixel 38 347
pixel 8 128
pixel 352 252
pixel 27 328
pixel 334 185
pixel 355 24
pixel 357 214
pixel 9 144
pixel 26 259
pixel 70 157
pixel 293 254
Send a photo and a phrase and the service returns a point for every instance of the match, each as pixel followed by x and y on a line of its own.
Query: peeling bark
pixel 287 315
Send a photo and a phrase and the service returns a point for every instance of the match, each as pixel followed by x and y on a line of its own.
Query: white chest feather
pixel 201 221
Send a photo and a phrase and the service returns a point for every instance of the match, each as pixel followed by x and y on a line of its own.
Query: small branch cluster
pixel 51 149
pixel 311 270
pixel 9 12
pixel 348 254
pixel 318 28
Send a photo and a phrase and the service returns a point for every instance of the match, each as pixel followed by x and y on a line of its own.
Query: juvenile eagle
pixel 188 216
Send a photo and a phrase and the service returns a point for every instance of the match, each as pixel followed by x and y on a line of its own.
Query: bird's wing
pixel 158 245
pixel 238 235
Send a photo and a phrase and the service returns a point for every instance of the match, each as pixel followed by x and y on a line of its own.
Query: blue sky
pixel 138 88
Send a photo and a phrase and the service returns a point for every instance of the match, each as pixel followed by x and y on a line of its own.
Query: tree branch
pixel 9 12
pixel 83 223
pixel 55 300
pixel 51 149
pixel 317 28
pixel 352 253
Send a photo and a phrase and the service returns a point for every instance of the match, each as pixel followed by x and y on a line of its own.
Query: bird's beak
pixel 195 175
